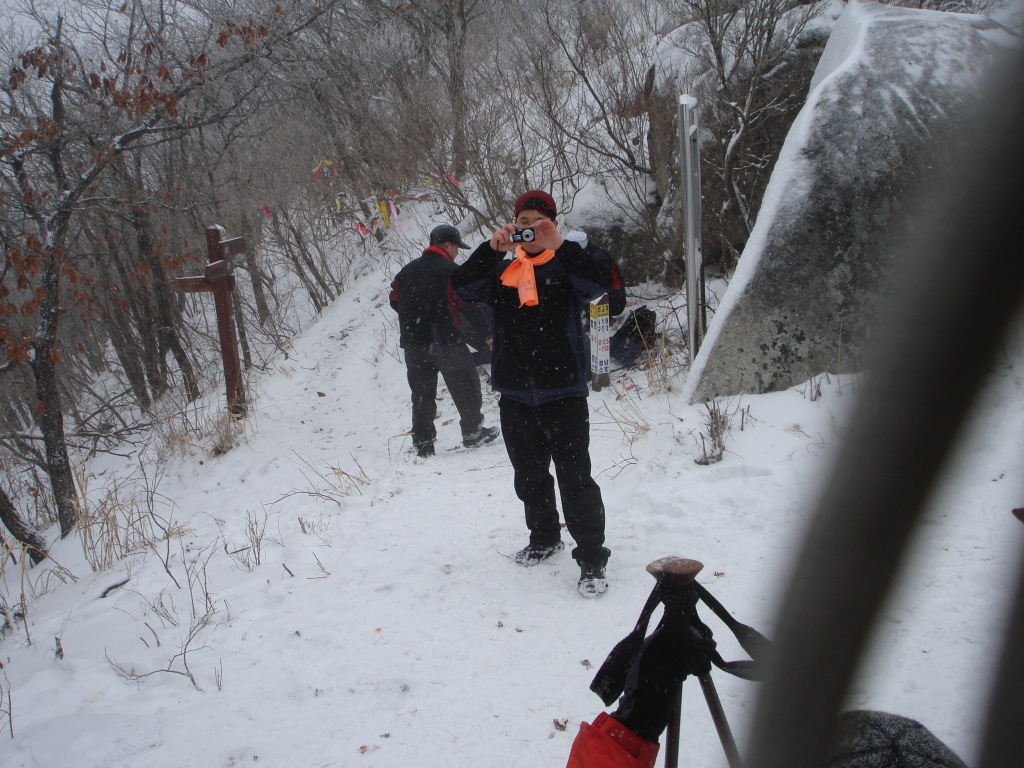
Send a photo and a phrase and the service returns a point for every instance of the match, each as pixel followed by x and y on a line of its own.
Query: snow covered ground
pixel 314 596
pixel 385 624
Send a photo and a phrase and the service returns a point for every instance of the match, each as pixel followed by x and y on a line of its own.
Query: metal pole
pixel 674 727
pixel 689 184
pixel 732 754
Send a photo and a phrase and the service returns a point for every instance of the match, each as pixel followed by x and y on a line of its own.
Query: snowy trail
pixel 386 625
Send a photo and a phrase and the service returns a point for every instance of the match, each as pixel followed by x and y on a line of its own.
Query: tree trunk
pixel 125 348
pixel 142 311
pixel 21 529
pixel 167 329
pixel 243 339
pixel 259 280
pixel 49 415
pixel 286 245
pixel 118 323
pixel 456 29
pixel 50 419
pixel 307 259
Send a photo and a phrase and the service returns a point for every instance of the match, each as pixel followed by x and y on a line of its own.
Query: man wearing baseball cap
pixel 428 321
pixel 537 282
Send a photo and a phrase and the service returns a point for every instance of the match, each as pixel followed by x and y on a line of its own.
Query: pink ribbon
pixel 394 215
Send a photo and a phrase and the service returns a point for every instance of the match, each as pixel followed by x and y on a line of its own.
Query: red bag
pixel 607 743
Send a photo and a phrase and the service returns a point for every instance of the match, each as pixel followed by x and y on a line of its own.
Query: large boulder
pixel 891 89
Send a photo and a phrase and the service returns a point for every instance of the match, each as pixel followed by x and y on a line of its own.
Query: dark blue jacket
pixel 539 352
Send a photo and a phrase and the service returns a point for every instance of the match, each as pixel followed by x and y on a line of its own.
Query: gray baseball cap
pixel 446 233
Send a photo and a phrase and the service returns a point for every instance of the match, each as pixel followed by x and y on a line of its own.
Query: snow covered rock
pixel 870 739
pixel 893 85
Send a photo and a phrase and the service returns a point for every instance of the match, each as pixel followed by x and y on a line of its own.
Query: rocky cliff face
pixel 891 90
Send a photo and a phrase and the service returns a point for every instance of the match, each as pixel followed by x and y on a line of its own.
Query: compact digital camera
pixel 524 235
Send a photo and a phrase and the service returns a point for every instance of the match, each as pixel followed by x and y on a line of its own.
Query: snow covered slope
pixel 384 623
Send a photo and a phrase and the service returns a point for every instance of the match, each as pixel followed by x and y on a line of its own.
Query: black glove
pixel 680 645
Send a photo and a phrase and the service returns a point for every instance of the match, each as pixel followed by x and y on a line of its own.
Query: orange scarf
pixel 519 274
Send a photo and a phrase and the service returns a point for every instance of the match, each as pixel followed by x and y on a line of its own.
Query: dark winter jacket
pixel 428 309
pixel 477 327
pixel 610 280
pixel 538 351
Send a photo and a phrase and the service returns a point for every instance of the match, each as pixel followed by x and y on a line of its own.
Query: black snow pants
pixel 455 363
pixel 559 432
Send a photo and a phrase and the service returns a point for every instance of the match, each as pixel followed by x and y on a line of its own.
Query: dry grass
pixel 317 528
pixel 386 337
pixel 394 453
pixel 6 702
pixel 181 428
pixel 29 583
pixel 249 553
pixel 716 425
pixel 11 614
pixel 814 388
pixel 665 360
pixel 122 518
pixel 177 427
pixel 226 432
pixel 203 607
pixel 811 390
pixel 626 418
pixel 51 577
pixel 328 482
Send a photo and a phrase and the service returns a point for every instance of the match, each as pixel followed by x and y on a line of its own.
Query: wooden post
pixel 218 278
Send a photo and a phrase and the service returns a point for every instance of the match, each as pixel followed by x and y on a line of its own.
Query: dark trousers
pixel 559 432
pixel 455 363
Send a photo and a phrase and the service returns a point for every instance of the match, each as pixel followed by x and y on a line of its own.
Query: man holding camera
pixel 537 284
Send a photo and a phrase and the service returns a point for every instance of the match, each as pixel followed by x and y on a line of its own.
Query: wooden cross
pixel 219 278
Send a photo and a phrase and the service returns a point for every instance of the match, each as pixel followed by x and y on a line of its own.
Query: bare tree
pixel 749 65
pixel 21 529
pixel 105 80
pixel 588 76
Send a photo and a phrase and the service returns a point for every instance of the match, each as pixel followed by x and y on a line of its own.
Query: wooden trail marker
pixel 218 278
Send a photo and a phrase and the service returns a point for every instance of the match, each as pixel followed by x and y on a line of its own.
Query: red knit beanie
pixel 536 200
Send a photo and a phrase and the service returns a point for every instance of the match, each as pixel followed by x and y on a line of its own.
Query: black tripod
pixel 693 649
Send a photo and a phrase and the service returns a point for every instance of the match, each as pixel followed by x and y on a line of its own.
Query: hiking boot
pixel 424 450
pixel 537 553
pixel 481 436
pixel 592 580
